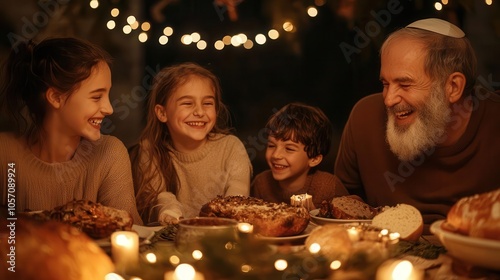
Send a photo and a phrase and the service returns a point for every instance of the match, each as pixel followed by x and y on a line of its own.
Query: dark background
pixel 307 65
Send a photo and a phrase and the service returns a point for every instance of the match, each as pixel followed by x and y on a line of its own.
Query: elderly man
pixel 432 136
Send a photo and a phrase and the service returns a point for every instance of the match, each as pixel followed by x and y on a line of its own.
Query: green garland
pixel 250 258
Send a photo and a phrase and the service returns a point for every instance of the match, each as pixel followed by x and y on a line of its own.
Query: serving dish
pixel 322 221
pixel 475 251
pixel 193 232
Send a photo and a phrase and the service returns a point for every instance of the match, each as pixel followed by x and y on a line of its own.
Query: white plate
pixel 145 235
pixel 289 239
pixel 323 221
pixel 476 251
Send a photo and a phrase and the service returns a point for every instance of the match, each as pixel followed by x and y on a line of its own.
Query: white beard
pixel 427 130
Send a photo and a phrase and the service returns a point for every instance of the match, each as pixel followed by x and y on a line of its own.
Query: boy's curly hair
pixel 303 124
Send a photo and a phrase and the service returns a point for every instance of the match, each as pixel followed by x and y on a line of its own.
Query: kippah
pixel 438 26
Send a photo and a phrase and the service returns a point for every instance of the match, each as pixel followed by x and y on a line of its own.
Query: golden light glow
pixel 245 227
pixel 312 11
pixel 280 264
pixel 115 12
pixel 248 45
pixel 243 37
pixel 197 255
pixel 168 31
pixel 143 37
pixel 163 39
pixel 131 20
pixel 236 41
pixel 273 34
pixel 335 265
pixel 186 39
pixel 134 25
pixel 127 29
pixel 145 26
pixel 227 40
pixel 288 26
pixel 219 45
pixel 195 36
pixel 402 271
pixel 246 268
pixel 113 276
pixel 314 248
pixel 151 257
pixel 184 271
pixel 174 260
pixel 438 6
pixel 260 39
pixel 94 4
pixel 445 2
pixel 111 24
pixel 489 2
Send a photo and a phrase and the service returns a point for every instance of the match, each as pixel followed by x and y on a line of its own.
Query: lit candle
pixel 398 270
pixel 353 234
pixel 183 272
pixel 302 200
pixel 125 250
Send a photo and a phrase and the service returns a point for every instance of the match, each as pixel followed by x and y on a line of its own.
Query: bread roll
pixel 333 240
pixel 403 219
pixel 53 250
pixel 476 216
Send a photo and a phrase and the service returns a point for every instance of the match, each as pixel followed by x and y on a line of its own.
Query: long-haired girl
pixel 56 94
pixel 186 155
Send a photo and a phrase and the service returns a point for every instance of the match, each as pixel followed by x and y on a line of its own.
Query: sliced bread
pixel 402 218
pixel 351 207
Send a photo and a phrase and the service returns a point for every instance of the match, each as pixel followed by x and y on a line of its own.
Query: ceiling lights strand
pixel 237 40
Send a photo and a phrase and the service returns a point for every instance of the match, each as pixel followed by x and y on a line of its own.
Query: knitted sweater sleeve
pixel 240 169
pixel 168 204
pixel 117 188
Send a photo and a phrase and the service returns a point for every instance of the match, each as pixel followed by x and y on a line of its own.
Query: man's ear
pixel 160 113
pixel 454 87
pixel 315 160
pixel 54 98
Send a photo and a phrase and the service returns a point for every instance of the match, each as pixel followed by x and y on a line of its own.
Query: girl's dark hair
pixel 304 124
pixel 156 139
pixel 31 69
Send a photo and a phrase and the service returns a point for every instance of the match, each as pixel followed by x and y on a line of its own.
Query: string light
pixel 219 44
pixel 94 4
pixel 240 39
pixel 111 24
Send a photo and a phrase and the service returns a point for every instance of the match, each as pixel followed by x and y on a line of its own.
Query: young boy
pixel 299 136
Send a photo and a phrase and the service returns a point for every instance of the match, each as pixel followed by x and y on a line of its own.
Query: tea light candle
pixel 302 200
pixel 125 249
pixel 398 270
pixel 353 234
pixel 183 272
